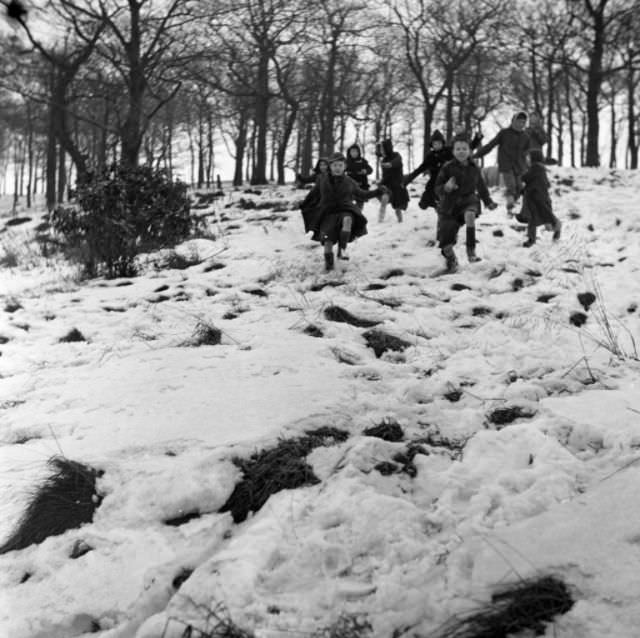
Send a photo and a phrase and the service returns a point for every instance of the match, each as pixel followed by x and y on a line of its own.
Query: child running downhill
pixel 536 205
pixel 513 144
pixel 437 156
pixel 392 177
pixel 358 169
pixel 460 187
pixel 337 218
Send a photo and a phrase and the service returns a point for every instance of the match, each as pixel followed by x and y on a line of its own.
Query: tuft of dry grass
pixel 280 468
pixel 527 605
pixel 66 500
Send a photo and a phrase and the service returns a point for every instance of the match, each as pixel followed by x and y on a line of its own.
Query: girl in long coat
pixel 393 179
pixel 536 204
pixel 358 169
pixel 310 202
pixel 437 156
pixel 337 218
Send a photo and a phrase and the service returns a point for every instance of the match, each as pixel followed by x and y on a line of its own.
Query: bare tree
pixel 439 38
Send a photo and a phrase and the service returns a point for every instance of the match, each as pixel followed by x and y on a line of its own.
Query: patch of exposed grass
pixel 66 500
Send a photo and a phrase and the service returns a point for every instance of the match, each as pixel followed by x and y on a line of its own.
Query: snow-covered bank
pixel 551 491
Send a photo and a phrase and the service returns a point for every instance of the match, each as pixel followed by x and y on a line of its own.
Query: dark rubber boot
pixel 531 236
pixel 328 261
pixel 471 245
pixel 452 260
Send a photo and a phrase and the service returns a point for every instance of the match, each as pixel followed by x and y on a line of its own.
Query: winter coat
pixel 358 168
pixel 536 202
pixel 392 177
pixel 432 163
pixel 335 195
pixel 512 150
pixel 537 137
pixel 471 189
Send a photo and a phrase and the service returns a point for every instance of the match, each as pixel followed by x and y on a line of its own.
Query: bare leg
pixel 384 200
pixel 399 214
pixel 345 234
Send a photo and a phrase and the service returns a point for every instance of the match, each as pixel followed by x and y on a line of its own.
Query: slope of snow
pixel 552 492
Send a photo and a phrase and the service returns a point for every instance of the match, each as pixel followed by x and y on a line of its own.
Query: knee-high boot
pixel 471 244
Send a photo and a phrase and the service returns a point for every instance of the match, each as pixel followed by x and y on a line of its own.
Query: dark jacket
pixel 358 168
pixel 471 189
pixel 337 195
pixel 537 137
pixel 512 150
pixel 432 163
pixel 392 177
pixel 536 201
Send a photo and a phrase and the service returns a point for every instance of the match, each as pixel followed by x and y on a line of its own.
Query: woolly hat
pixel 520 116
pixel 437 136
pixel 337 157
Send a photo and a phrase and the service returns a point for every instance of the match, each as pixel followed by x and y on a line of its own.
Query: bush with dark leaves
pixel 120 213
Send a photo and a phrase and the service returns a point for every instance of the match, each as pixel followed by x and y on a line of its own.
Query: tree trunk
pixel 560 130
pixel 306 163
pixel 449 107
pixel 613 131
pixel 427 120
pixel 572 132
pixel 240 144
pixel 201 167
pixel 327 108
pixel 51 160
pixel 21 160
pixel 62 173
pixel 534 80
pixel 550 107
pixel 261 120
pixel 632 140
pixel 287 131
pixel 583 140
pixel 594 84
pixel 209 171
pixel 30 154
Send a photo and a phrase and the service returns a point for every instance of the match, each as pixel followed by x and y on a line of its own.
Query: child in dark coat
pixel 311 201
pixel 513 143
pixel 358 169
pixel 460 187
pixel 392 178
pixel 337 218
pixel 437 156
pixel 536 205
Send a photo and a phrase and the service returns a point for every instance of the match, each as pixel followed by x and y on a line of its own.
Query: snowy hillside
pixel 514 425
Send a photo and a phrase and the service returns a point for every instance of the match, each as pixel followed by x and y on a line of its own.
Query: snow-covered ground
pixel 554 492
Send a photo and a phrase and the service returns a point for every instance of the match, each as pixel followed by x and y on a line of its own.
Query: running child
pixel 337 218
pixel 459 188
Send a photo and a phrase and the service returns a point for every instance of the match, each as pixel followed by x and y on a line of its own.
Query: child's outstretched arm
pixel 483 150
